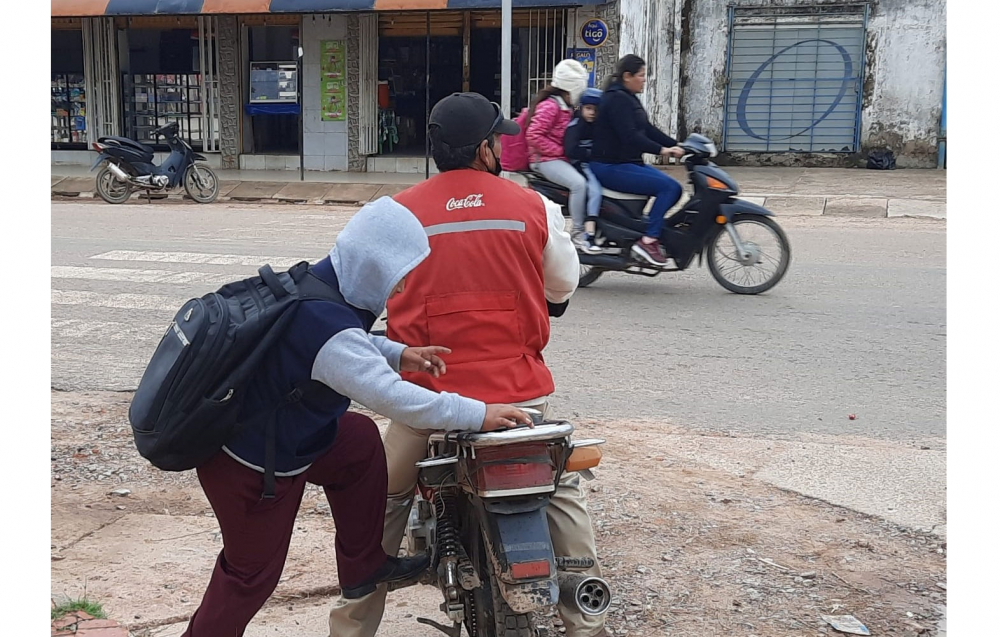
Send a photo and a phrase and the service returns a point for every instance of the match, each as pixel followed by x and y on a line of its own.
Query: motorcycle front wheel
pixel 110 188
pixel 769 255
pixel 201 184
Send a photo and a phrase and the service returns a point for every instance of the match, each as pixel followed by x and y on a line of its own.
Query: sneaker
pixel 649 252
pixel 585 243
pixel 395 569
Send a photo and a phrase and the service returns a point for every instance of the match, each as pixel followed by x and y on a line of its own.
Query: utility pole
pixel 507 23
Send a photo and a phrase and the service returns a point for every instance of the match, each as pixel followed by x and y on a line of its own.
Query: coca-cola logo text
pixel 472 201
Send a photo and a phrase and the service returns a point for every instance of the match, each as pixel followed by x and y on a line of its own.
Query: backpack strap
pixel 270 279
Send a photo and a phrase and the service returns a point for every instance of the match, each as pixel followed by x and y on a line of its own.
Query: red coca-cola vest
pixel 481 291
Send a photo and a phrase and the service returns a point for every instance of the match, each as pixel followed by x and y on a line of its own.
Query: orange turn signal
pixel 716 184
pixel 584 458
pixel 721 220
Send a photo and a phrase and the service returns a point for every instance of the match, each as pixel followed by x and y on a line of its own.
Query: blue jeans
pixel 641 179
pixel 594 195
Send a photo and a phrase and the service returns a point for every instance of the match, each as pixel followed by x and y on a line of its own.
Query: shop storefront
pixel 347 89
pixel 435 54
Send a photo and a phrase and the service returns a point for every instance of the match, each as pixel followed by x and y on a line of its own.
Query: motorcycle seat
pixel 125 141
pixel 623 196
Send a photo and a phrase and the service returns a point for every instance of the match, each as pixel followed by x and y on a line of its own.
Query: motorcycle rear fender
pixel 518 532
pixel 735 207
pixel 100 160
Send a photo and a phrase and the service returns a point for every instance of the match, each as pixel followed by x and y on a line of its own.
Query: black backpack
pixel 187 403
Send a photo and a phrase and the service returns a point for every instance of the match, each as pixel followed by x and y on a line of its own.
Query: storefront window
pixel 69 96
pixel 163 84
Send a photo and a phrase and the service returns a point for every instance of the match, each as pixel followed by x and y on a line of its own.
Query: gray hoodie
pixel 380 245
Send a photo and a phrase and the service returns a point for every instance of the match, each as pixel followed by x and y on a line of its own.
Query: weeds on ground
pixel 86 605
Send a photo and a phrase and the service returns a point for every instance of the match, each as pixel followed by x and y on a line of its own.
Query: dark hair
pixel 541 96
pixel 447 158
pixel 630 64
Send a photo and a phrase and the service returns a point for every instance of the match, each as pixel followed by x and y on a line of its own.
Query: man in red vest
pixel 500 260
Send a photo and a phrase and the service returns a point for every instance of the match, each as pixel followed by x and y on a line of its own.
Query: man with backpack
pixel 325 347
pixel 502 263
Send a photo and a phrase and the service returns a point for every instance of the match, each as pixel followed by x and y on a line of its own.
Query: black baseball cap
pixel 465 119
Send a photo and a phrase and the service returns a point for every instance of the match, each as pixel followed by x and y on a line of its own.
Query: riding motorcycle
pixel 479 509
pixel 129 166
pixel 747 251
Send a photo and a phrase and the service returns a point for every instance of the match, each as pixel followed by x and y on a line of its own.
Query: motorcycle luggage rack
pixel 545 431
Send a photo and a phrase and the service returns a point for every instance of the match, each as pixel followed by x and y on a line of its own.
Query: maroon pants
pixel 256 532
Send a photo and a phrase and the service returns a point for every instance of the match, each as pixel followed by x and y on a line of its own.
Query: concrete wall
pixel 903 87
pixel 904 82
pixel 325 142
pixel 647 29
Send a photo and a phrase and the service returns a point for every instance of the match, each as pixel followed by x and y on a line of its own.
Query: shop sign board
pixel 588 58
pixel 333 80
pixel 594 32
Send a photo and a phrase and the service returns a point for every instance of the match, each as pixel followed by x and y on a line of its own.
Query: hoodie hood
pixel 379 246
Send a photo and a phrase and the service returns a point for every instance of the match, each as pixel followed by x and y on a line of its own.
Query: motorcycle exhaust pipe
pixel 592 595
pixel 604 261
pixel 119 173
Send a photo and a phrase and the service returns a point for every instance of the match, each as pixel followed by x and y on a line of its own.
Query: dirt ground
pixel 688 551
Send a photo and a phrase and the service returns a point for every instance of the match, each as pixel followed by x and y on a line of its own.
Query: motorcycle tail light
pixel 584 458
pixel 97 147
pixel 530 570
pixel 526 466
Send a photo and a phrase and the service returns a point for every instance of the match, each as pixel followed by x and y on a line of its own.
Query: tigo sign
pixel 594 33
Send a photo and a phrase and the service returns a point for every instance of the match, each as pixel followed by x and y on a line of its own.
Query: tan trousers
pixel 569 525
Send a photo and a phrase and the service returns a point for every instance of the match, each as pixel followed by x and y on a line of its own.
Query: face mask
pixel 496 169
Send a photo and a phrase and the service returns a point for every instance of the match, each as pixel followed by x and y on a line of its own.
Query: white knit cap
pixel 570 76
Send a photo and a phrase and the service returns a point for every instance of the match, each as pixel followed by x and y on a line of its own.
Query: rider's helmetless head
pixel 465 130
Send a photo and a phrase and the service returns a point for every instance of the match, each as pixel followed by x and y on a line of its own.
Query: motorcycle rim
pixel 201 183
pixel 110 188
pixel 770 255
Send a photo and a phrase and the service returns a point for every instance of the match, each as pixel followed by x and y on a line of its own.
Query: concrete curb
pixel 359 194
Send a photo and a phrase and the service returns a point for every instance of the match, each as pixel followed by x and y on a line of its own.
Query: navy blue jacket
pixel 622 132
pixel 304 430
pixel 579 139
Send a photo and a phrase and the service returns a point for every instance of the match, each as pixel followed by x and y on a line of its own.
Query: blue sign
pixel 586 57
pixel 594 33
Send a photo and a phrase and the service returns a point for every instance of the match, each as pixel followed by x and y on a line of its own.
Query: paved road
pixel 857 327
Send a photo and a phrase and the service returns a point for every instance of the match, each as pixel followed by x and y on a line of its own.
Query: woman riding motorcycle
pixel 622 134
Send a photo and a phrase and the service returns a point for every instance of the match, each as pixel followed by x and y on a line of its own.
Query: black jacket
pixel 622 132
pixel 579 139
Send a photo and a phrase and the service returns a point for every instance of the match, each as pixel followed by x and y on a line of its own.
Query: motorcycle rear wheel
pixel 201 184
pixel 589 275
pixel 110 188
pixel 494 618
pixel 731 268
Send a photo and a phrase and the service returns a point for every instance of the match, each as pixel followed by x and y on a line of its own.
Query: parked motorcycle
pixel 747 251
pixel 129 166
pixel 480 511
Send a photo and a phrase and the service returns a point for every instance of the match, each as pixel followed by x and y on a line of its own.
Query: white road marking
pixel 104 331
pixel 142 276
pixel 197 257
pixel 120 301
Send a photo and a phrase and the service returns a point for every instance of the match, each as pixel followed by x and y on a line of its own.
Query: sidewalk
pixel 785 191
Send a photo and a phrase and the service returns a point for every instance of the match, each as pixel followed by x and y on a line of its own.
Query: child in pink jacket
pixel 548 117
